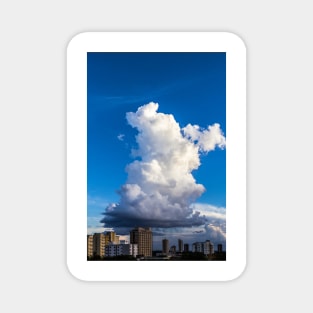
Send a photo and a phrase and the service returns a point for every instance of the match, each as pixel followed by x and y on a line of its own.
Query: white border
pixel 77 156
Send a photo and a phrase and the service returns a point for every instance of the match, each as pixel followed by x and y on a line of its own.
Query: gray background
pixel 34 35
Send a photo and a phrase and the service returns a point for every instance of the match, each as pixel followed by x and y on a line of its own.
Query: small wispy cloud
pixel 120 137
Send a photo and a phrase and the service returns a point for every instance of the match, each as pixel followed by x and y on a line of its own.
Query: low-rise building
pixel 112 249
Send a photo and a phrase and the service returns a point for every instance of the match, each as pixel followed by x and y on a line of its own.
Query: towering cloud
pixel 160 187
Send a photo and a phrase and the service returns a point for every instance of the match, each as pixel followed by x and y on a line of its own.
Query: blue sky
pixel 190 86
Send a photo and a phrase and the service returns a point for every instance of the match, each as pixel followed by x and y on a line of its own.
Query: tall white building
pixel 208 247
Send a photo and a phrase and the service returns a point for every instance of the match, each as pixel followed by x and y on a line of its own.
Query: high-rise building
pixel 96 243
pixel 197 247
pixel 143 238
pixel 180 245
pixel 99 244
pixel 208 247
pixel 110 236
pixel 205 247
pixel 165 246
pixel 186 247
pixel 219 248
pixel 173 250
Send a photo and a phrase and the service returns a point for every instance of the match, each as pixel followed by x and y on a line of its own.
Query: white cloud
pixel 160 186
pixel 210 211
pixel 206 139
pixel 94 230
pixel 125 237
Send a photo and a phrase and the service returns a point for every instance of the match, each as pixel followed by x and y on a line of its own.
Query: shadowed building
pixel 197 247
pixel 205 247
pixel 173 250
pixel 186 247
pixel 143 238
pixel 165 246
pixel 180 245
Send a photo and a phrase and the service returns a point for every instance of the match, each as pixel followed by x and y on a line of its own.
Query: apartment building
pixel 206 247
pixel 112 249
pixel 143 238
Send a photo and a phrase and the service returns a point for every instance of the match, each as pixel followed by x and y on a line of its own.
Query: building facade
pixel 197 247
pixel 112 249
pixel 143 238
pixel 165 246
pixel 97 242
pixel 180 245
pixel 89 245
pixel 173 250
pixel 206 247
pixel 110 236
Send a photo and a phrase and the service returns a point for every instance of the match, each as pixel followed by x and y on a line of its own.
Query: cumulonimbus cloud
pixel 160 187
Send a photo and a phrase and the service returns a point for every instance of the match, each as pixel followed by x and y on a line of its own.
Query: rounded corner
pixel 73 274
pixel 75 39
pixel 239 273
pixel 237 39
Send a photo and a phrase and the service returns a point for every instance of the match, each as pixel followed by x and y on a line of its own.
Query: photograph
pixel 156 156
pixel 156 164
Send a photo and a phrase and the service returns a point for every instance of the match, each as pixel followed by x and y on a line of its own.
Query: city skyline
pixel 109 246
pixel 132 182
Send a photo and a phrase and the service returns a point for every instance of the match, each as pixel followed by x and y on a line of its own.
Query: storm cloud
pixel 160 188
